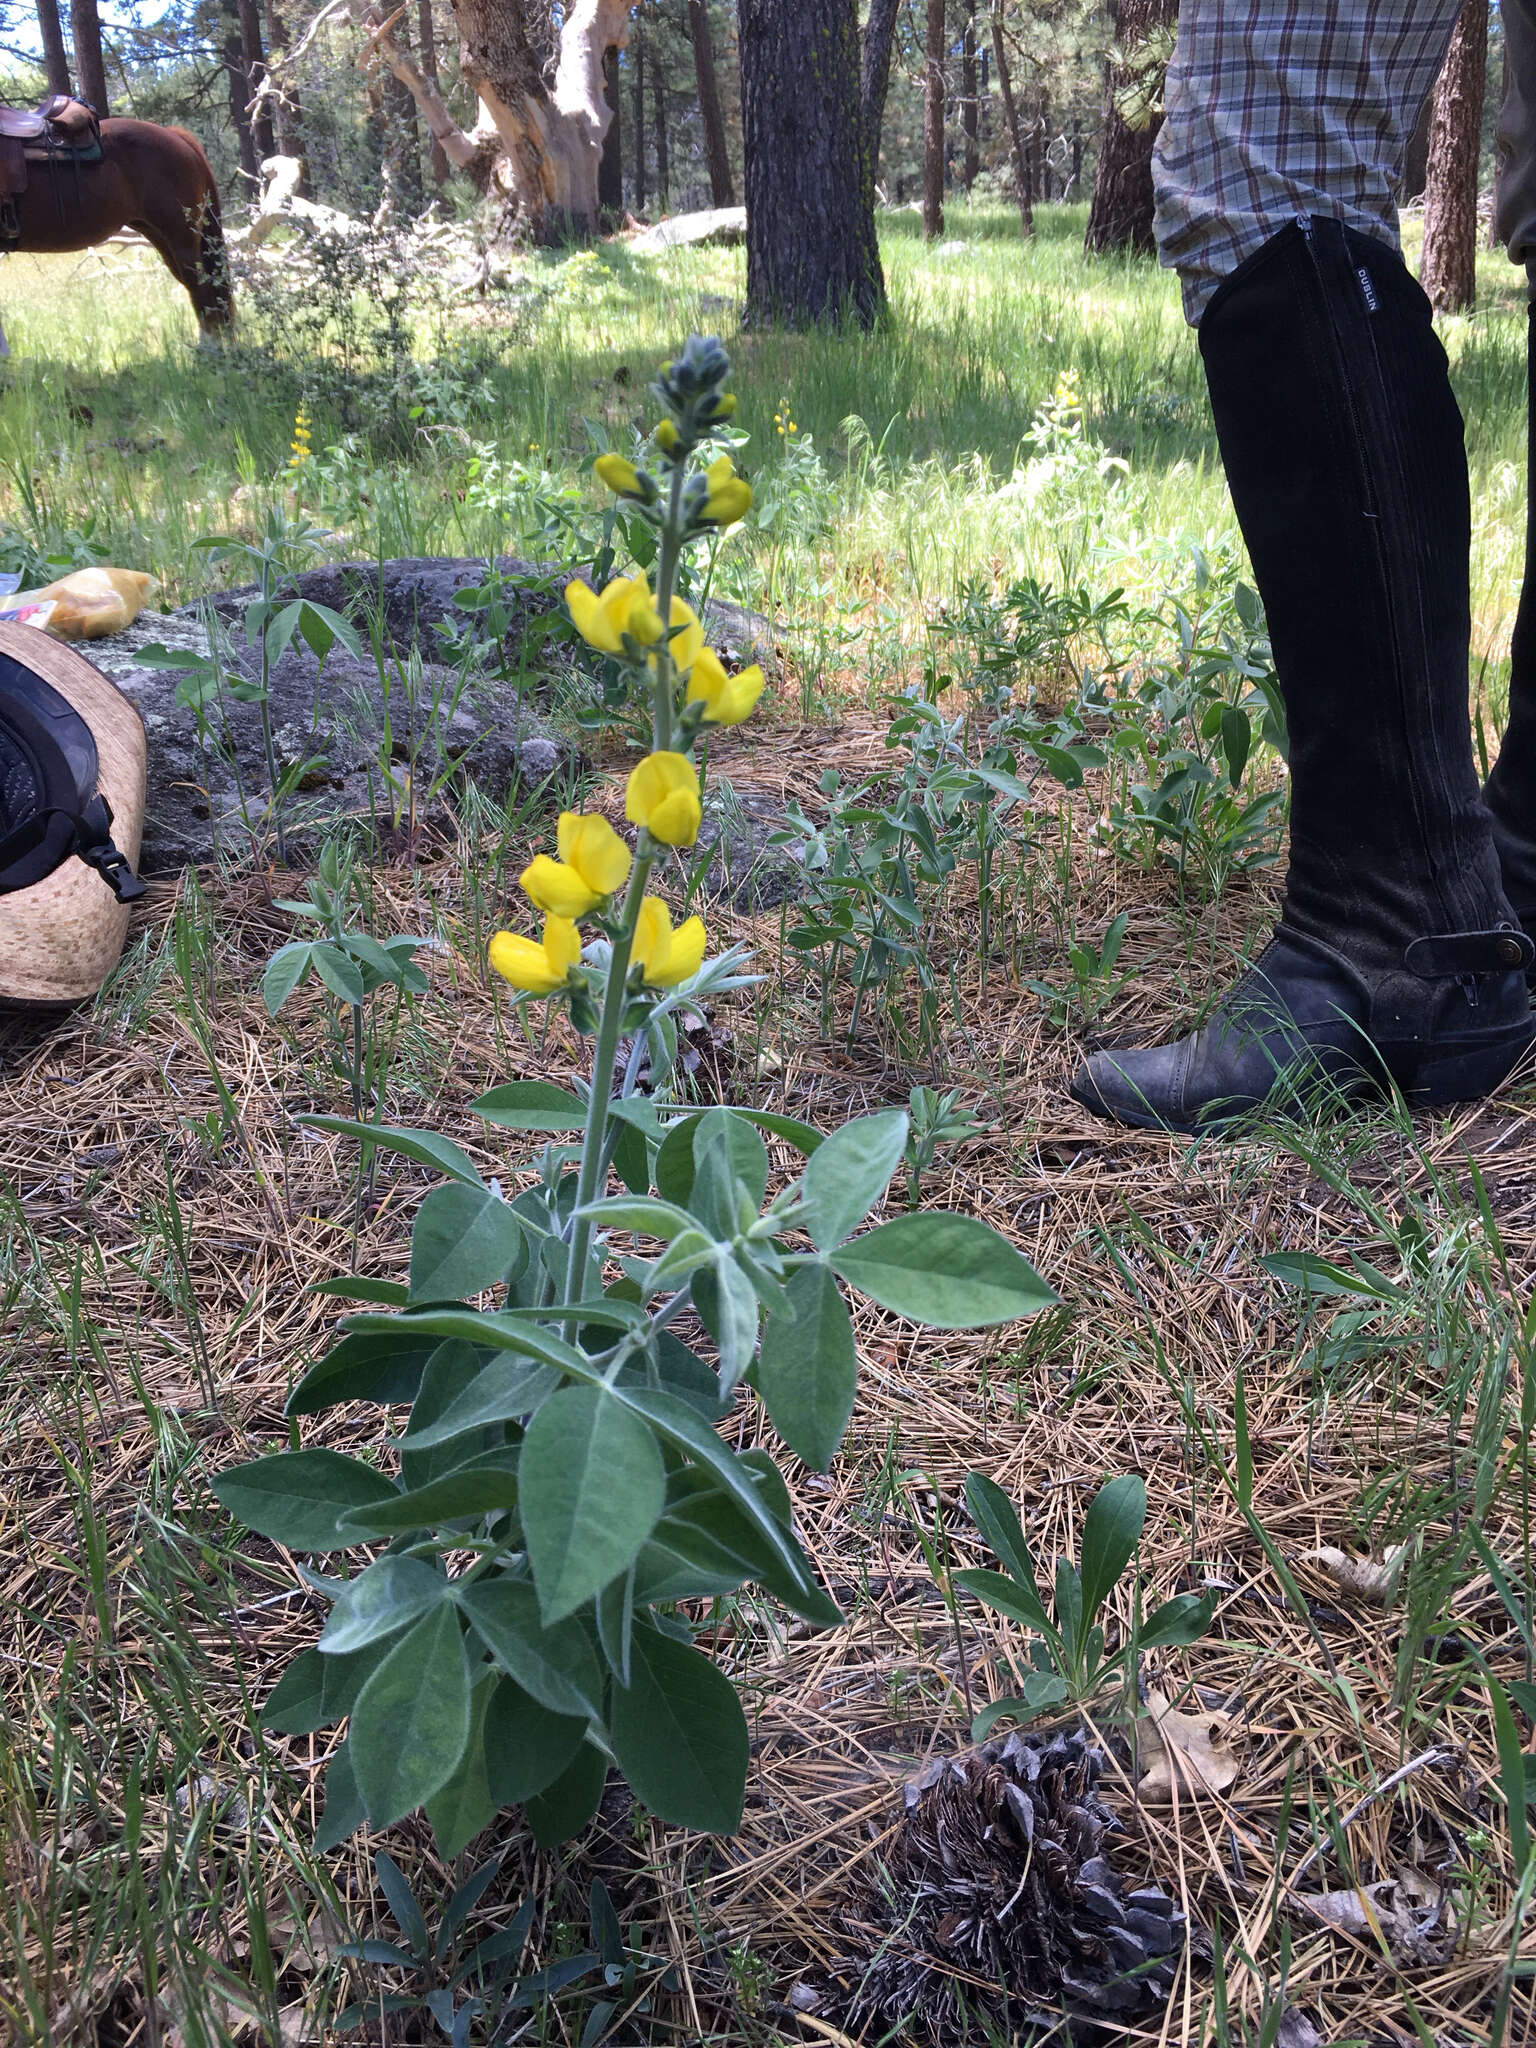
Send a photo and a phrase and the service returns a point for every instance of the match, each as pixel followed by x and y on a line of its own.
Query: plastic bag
pixel 90 604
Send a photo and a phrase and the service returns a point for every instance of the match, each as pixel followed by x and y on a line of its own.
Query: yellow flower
pixel 663 795
pixel 624 607
pixel 728 496
pixel 725 405
pixel 687 637
pixel 619 475
pixel 538 968
pixel 594 861
pixel 665 436
pixel 727 700
pixel 664 956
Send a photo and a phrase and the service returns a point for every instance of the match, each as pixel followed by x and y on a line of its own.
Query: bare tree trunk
pixel 715 152
pixel 1120 214
pixel 875 75
pixel 288 108
pixel 812 254
pixel 256 71
pixel 933 123
pixel 969 106
pixel 90 65
pixel 1016 136
pixel 663 162
pixel 426 32
pixel 239 101
pixel 1448 272
pixel 1416 156
pixel 402 137
pixel 637 110
pixel 610 170
pixel 55 62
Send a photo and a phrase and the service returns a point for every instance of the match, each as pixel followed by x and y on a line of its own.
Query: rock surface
pixel 687 230
pixel 372 739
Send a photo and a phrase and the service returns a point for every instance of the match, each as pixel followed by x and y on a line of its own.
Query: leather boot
pixel 1511 787
pixel 1397 957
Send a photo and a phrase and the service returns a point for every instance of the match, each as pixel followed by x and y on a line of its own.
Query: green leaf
pixel 463 1241
pixel 464 1806
pixel 381 1601
pixel 1019 1603
pixel 1111 1531
pixel 1236 739
pixel 384 1364
pixel 499 1330
pixel 296 1704
pixel 995 1516
pixel 410 1726
pixel 1322 1276
pixel 297 1497
pixel 741 1152
pixel 562 1811
pixel 680 1735
pixel 705 1545
pixel 359 1287
pixel 427 1148
pixel 526 1746
pixel 735 1326
pixel 285 970
pixel 807 1372
pixel 592 1489
pixel 345 1678
pixel 684 1428
pixel 1183 1619
pixel 641 1214
pixel 484 1484
pixel 1042 1691
pixel 615 1616
pixel 531 1106
pixel 504 1391
pixel 849 1174
pixel 948 1272
pixel 556 1665
pixel 339 973
pixel 674 1161
pixel 344 1812
pixel 322 628
pixel 1512 1779
pixel 452 1367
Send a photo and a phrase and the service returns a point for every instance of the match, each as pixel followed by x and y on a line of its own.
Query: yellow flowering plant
pixel 536 1537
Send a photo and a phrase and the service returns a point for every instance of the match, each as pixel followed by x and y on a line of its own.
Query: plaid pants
pixel 1281 107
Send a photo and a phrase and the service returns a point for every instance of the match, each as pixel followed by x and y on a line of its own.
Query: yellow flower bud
pixel 662 794
pixel 619 475
pixel 687 635
pixel 725 405
pixel 538 968
pixel 666 436
pixel 727 700
pixel 664 956
pixel 729 497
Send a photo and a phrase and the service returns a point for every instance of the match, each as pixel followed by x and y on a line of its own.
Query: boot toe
pixel 1140 1085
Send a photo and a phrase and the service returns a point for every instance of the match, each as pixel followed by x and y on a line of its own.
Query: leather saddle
pixel 61 130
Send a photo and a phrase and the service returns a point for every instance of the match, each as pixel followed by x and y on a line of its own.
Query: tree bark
pixel 256 71
pixel 875 75
pixel 402 138
pixel 715 153
pixel 969 107
pixel 239 101
pixel 610 169
pixel 1016 136
pixel 287 107
pixel 933 123
pixel 1448 272
pixel 663 161
pixel 1416 156
pixel 426 35
pixel 90 65
pixel 637 111
pixel 55 62
pixel 812 254
pixel 1120 213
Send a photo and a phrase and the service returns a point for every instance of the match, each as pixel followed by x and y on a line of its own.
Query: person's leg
pixel 1343 452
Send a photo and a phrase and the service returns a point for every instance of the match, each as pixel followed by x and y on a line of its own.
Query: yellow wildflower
pixel 664 956
pixel 662 794
pixel 727 700
pixel 594 861
pixel 538 968
pixel 729 497
pixel 665 436
pixel 624 607
pixel 687 636
pixel 619 475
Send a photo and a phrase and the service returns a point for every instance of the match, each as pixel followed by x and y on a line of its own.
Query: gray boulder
pixel 720 224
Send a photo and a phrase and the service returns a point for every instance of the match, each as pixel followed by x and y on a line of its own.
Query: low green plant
pixel 1070 1655
pixel 1094 981
pixel 560 1492
pixel 934 1120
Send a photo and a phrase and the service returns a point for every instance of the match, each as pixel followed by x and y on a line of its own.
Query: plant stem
pixel 666 578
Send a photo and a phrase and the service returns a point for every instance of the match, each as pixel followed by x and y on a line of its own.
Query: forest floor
pixel 163 1216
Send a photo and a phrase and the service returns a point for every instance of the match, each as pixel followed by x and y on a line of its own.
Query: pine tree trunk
pixel 256 70
pixel 969 105
pixel 55 62
pixel 1016 136
pixel 610 171
pixel 90 65
pixel 426 31
pixel 663 161
pixel 239 102
pixel 637 110
pixel 1120 213
pixel 812 254
pixel 1448 272
pixel 288 110
pixel 875 75
pixel 933 123
pixel 1416 156
pixel 715 152
pixel 402 137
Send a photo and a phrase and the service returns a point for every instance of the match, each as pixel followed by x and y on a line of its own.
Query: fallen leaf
pixel 1363 1576
pixel 1183 1753
pixel 1404 1914
pixel 1296 2030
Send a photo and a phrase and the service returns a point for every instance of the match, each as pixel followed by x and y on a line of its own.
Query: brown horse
pixel 152 179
